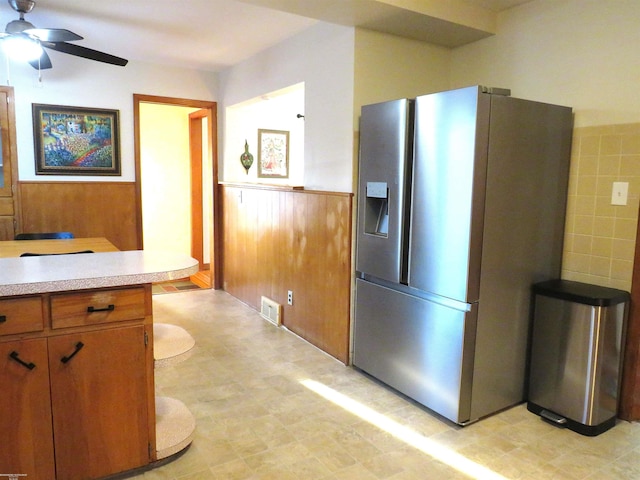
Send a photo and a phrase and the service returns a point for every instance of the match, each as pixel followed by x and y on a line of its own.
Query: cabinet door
pixel 99 402
pixel 25 410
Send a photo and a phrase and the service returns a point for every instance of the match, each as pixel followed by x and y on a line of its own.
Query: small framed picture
pixel 76 140
pixel 273 153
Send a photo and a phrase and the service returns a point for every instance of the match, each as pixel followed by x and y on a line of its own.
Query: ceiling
pixel 212 35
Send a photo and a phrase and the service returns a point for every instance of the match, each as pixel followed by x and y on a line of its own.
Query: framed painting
pixel 273 153
pixel 76 140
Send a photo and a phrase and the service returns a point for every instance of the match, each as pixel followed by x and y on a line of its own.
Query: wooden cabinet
pixel 99 402
pixel 79 309
pixel 21 315
pixel 80 390
pixel 25 421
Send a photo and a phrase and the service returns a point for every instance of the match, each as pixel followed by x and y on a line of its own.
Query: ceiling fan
pixel 52 38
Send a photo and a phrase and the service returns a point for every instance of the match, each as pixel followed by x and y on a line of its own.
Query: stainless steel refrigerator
pixel 461 207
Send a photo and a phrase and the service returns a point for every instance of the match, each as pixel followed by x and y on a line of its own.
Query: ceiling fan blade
pixel 43 63
pixel 85 52
pixel 52 34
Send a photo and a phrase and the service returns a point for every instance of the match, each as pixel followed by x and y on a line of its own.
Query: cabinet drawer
pixel 90 308
pixel 21 315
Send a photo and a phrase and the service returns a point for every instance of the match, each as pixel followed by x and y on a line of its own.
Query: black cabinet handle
pixel 109 308
pixel 14 355
pixel 79 346
pixel 3 318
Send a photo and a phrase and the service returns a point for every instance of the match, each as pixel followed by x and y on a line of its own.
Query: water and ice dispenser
pixel 376 221
pixel 576 354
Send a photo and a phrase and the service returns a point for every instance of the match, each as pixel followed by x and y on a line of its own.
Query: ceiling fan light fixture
pixel 22 48
pixel 23 42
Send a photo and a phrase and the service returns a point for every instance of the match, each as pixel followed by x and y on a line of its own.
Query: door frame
pixel 216 223
pixel 629 402
pixel 196 159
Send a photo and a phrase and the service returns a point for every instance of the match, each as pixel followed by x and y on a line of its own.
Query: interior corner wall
pixel 583 54
pixel 389 67
pixel 83 83
pixel 322 57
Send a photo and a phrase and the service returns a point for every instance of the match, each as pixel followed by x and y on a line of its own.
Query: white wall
pixel 83 83
pixel 322 57
pixel 579 53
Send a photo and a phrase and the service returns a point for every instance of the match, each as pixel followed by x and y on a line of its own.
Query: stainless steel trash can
pixel 576 354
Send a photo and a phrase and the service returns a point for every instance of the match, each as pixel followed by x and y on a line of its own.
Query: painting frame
pixel 273 153
pixel 76 140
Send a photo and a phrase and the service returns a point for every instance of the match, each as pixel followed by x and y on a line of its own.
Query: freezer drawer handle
pixel 110 308
pixel 16 356
pixel 79 346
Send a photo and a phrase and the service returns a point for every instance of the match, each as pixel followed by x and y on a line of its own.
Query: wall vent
pixel 270 310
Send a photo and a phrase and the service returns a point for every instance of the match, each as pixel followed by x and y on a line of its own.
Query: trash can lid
pixel 581 292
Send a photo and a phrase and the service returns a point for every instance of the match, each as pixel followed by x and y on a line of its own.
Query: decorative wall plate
pixel 246 158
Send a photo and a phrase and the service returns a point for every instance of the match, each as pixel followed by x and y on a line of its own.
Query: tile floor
pixel 257 394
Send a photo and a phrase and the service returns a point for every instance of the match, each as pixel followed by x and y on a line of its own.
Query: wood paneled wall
pixel 87 209
pixel 277 240
pixel 6 218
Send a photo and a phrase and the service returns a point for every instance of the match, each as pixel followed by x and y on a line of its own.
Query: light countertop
pixel 55 273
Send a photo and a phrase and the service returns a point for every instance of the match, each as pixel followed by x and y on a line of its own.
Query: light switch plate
pixel 619 193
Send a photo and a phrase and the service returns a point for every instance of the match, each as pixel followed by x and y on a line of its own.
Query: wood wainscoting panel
pixel 6 218
pixel 279 239
pixel 6 228
pixel 239 246
pixel 87 209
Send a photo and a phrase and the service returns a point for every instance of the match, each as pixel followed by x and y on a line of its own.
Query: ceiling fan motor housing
pixel 22 6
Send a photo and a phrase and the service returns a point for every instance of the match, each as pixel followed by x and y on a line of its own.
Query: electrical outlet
pixel 290 297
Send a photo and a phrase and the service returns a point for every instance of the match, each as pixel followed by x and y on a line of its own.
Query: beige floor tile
pixel 354 472
pixel 234 470
pixel 579 465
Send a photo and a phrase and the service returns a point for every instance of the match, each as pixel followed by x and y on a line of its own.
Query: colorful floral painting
pixel 75 140
pixel 273 153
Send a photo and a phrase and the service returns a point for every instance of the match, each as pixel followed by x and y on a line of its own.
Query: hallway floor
pixel 270 406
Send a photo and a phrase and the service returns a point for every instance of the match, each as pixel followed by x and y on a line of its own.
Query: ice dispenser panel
pixel 376 220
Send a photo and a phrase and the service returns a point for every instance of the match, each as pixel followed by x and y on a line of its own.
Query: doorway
pixel 176 180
